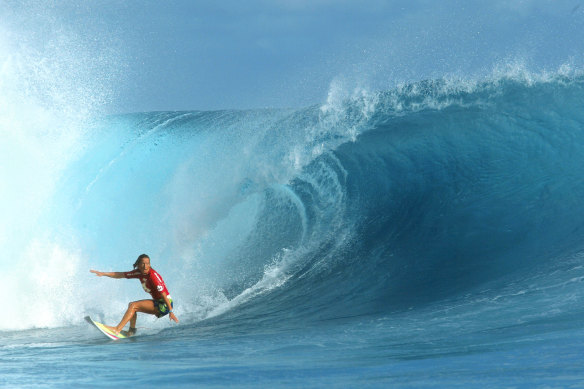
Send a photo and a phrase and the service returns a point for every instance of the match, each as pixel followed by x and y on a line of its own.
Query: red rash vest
pixel 151 282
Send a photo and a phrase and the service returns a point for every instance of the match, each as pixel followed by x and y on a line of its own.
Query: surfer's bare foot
pixel 130 332
pixel 112 329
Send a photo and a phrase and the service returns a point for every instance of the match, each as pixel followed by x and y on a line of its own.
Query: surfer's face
pixel 144 265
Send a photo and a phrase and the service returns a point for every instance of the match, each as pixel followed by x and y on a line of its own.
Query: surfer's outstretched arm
pixel 113 274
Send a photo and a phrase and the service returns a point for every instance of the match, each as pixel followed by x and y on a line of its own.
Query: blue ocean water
pixel 430 235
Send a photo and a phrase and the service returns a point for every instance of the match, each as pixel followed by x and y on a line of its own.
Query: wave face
pixel 448 188
pixel 371 204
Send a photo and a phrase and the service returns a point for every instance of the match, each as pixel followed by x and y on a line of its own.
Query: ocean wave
pixel 445 189
pixel 370 203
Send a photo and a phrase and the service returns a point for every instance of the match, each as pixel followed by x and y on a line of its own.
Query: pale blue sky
pixel 180 55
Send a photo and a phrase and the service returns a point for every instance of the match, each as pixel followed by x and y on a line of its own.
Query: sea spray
pixel 49 91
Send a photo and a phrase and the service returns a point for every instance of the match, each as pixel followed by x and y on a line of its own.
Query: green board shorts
pixel 162 307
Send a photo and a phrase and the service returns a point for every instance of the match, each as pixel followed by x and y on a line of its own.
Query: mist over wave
pixel 49 90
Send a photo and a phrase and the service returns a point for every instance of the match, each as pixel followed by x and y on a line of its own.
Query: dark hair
pixel 141 257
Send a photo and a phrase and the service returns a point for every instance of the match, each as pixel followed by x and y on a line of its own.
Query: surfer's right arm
pixel 112 274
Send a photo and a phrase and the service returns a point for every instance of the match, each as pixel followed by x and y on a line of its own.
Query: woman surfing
pixel 161 303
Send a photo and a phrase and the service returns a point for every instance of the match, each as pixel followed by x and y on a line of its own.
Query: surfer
pixel 161 303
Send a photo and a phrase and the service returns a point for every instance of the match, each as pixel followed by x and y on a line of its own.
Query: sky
pixel 145 55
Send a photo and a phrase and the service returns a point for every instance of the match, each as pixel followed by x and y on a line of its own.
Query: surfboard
pixel 105 330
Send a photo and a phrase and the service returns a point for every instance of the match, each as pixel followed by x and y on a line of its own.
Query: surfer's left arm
pixel 108 274
pixel 171 314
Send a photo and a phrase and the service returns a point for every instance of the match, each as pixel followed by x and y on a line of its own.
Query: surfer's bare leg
pixel 144 306
pixel 133 320
pixel 132 330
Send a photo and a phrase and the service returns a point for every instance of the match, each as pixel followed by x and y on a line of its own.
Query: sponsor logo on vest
pixel 145 287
